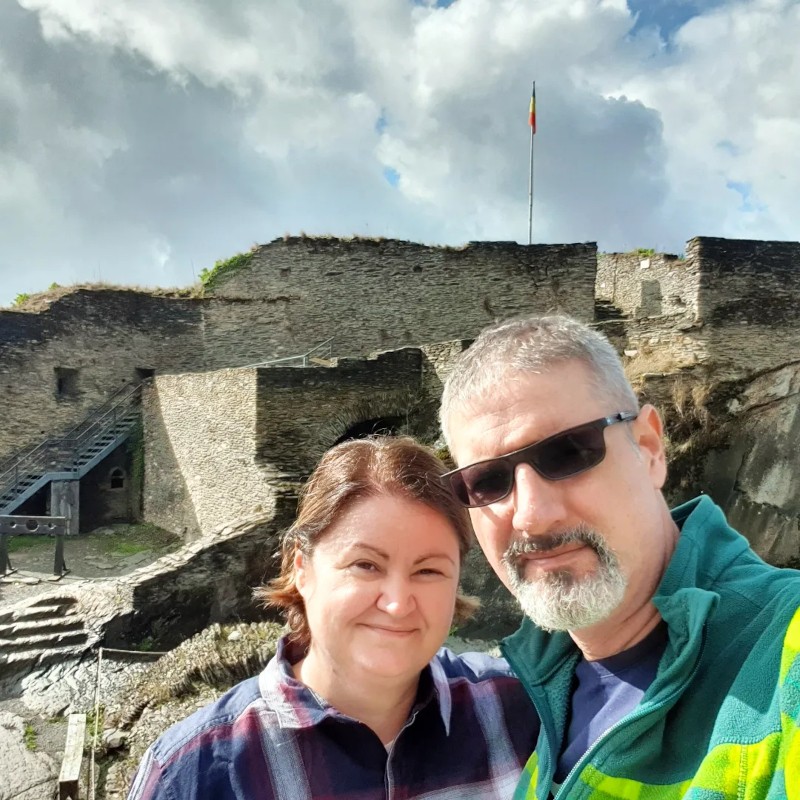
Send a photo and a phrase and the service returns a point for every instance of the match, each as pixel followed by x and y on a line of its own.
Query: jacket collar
pixel 684 598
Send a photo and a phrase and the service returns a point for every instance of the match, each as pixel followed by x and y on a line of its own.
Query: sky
pixel 140 142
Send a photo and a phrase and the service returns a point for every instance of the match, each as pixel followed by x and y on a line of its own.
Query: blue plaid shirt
pixel 469 734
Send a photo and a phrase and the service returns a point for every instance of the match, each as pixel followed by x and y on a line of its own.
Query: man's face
pixel 586 548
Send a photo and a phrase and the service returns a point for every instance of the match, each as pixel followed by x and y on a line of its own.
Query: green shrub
pixel 209 278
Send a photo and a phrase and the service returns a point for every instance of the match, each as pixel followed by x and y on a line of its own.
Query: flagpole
pixel 532 122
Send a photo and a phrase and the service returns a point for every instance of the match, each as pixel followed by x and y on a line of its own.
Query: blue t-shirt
pixel 605 691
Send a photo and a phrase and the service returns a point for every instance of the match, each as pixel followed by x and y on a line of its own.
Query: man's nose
pixel 538 504
pixel 397 596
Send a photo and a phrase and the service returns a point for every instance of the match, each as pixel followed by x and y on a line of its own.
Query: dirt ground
pixel 103 553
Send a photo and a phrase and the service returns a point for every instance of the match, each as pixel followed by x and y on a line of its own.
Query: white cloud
pixel 144 138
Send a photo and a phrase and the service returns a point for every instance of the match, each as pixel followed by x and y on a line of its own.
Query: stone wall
pixel 98 339
pixel 642 285
pixel 368 295
pixel 382 294
pixel 200 451
pixel 749 302
pixel 304 411
pixel 108 493
pixel 662 344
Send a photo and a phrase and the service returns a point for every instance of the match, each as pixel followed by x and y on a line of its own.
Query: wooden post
pixel 65 501
pixel 68 779
pixel 5 561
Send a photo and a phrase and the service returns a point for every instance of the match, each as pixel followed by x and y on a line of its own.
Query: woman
pixel 357 703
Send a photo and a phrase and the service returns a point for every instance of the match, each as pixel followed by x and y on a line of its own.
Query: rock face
pixel 757 476
pixel 24 773
pixel 191 676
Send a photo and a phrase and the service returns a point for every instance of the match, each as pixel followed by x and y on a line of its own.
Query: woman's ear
pixel 300 570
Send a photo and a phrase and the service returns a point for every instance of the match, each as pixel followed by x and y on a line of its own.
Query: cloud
pixel 139 142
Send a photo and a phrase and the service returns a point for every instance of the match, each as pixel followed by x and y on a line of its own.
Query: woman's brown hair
pixel 349 472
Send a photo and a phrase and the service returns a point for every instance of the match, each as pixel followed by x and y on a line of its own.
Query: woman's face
pixel 380 589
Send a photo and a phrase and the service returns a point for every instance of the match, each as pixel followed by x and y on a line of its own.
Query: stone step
pixel 63 600
pixel 43 642
pixel 40 627
pixel 43 612
pixel 20 662
pixel 28 613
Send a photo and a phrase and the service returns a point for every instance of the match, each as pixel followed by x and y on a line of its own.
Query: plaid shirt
pixel 468 735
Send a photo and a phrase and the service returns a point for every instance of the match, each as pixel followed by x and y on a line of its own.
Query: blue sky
pixel 138 145
pixel 668 16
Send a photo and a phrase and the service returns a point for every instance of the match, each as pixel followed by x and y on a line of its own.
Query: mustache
pixel 580 534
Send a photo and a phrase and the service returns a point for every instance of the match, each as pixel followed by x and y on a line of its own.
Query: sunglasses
pixel 559 456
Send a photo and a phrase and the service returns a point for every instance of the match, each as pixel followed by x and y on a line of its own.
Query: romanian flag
pixel 532 113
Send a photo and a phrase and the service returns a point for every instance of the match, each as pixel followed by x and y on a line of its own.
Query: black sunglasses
pixel 559 456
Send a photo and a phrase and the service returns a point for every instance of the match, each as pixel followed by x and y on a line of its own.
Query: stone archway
pixel 387 425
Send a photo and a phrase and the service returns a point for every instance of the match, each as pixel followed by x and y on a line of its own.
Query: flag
pixel 532 113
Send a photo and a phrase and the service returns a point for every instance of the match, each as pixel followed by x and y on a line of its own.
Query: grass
pixel 30 737
pixel 17 544
pixel 118 541
pixel 124 548
pixel 35 302
pixel 90 721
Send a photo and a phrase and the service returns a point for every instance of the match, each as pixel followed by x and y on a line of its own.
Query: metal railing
pixel 324 350
pixel 63 454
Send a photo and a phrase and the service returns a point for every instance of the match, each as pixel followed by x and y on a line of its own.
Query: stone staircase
pixel 42 632
pixel 71 456
pixel 606 311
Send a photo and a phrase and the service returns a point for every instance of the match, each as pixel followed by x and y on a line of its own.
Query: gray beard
pixel 559 601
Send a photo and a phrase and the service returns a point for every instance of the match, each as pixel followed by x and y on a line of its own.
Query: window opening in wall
pixel 117 478
pixel 66 382
pixel 143 373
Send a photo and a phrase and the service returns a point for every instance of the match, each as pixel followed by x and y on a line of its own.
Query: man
pixel 661 653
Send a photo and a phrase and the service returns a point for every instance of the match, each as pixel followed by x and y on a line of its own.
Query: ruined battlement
pixel 731 303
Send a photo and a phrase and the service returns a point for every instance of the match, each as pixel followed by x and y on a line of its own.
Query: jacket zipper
pixel 632 717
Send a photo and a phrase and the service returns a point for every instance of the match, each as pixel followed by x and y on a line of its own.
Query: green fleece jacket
pixel 722 717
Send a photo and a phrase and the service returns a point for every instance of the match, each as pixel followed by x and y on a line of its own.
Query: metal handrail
pixel 302 357
pixel 114 400
pixel 63 452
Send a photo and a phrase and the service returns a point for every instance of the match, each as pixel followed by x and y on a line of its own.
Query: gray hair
pixel 533 344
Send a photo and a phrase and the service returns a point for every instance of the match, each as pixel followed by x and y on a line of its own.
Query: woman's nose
pixel 397 597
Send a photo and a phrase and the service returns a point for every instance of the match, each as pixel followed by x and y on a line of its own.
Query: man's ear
pixel 648 431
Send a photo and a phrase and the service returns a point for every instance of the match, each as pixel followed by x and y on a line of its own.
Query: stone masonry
pixel 59 364
pixel 383 294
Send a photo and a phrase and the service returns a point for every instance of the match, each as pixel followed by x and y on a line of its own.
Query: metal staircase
pixel 71 456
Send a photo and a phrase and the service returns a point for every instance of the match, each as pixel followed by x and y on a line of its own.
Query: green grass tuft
pixel 30 737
